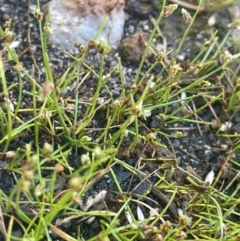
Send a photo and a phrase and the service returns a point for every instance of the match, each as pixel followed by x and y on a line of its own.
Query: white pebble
pixel 79 21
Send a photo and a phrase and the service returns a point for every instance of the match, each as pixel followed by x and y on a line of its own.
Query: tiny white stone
pixel 212 20
pixel 225 126
pixel 32 8
pixel 146 27
pixel 224 146
pixel 199 36
pixel 207 147
pixel 181 57
pixel 100 101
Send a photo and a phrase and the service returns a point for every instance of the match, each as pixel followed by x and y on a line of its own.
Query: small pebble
pixel 132 48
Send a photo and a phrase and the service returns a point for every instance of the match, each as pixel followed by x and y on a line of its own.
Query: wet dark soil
pixel 200 148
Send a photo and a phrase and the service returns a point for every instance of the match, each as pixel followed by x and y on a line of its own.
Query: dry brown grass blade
pixel 61 234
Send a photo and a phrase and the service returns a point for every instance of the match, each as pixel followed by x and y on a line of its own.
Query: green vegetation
pixel 211 209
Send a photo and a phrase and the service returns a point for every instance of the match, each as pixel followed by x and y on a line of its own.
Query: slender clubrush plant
pixel 58 175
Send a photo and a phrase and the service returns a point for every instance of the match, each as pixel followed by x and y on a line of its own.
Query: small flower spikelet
pixel 77 21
